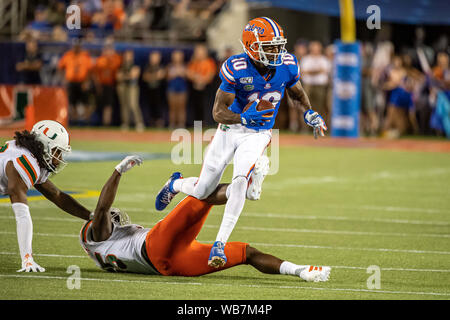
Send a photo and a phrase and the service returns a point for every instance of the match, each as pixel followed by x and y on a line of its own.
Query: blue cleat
pixel 166 194
pixel 217 256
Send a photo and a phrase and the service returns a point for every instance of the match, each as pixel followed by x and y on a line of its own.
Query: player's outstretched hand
pixel 253 118
pixel 128 163
pixel 315 120
pixel 29 265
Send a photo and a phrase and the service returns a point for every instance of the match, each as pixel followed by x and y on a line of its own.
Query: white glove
pixel 128 163
pixel 316 121
pixel 29 265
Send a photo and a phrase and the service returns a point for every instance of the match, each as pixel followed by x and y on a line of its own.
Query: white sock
pixel 185 185
pixel 24 228
pixel 227 192
pixel 233 208
pixel 290 268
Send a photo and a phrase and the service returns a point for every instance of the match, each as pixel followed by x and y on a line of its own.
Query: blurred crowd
pixel 400 88
pixel 155 91
pixel 125 19
pixel 399 91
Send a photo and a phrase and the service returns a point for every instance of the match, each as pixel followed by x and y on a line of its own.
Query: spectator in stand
pixel 118 15
pixel 153 76
pixel 329 54
pixel 381 62
pixel 192 17
pixel 315 69
pixel 177 90
pixel 59 34
pixel 301 49
pixel 92 6
pixel 440 79
pixel 201 72
pixel 30 67
pixel 441 72
pixel 40 22
pixel 106 68
pixel 77 64
pixel 295 122
pixel 128 91
pixel 160 12
pixel 369 116
pixel 420 94
pixel 56 13
pixel 140 17
pixel 400 109
pixel 100 25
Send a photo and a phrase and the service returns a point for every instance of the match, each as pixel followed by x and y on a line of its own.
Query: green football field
pixel 347 208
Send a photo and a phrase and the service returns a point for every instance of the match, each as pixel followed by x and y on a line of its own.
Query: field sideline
pixel 349 205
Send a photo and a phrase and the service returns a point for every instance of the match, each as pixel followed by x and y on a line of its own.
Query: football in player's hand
pixel 262 105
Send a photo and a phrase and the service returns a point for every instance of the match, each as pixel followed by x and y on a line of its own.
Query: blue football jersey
pixel 240 77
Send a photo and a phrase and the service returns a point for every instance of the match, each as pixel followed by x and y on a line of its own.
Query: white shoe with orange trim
pixel 29 265
pixel 315 274
pixel 256 179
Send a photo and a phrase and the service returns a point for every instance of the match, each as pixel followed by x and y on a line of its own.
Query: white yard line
pixel 341 218
pixel 394 269
pixel 341 232
pixel 274 216
pixel 293 230
pixel 352 248
pixel 390 209
pixel 337 267
pixel 381 175
pixel 228 285
pixel 279 245
pixel 46 255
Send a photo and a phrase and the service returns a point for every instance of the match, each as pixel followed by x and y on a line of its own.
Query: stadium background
pixel 368 201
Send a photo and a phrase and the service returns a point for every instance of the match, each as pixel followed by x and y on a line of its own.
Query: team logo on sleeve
pixel 249 87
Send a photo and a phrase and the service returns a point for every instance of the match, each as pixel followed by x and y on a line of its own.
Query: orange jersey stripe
pixel 84 230
pixel 226 78
pixel 26 171
pixel 29 163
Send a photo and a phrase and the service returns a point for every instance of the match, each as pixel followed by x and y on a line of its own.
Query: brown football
pixel 262 105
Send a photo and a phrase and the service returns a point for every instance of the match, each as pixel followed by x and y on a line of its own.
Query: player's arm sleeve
pixel 27 170
pixel 227 76
pixel 294 70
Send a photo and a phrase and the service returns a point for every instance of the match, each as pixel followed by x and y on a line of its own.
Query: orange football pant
pixel 173 250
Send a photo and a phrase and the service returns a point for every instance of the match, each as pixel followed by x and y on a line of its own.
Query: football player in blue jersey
pixel 263 72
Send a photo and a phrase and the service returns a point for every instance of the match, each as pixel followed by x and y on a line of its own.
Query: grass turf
pixel 347 208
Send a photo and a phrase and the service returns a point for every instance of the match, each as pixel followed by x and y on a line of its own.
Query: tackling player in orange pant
pixel 170 248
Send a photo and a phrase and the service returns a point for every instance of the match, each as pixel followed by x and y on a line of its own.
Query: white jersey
pixel 24 162
pixel 121 252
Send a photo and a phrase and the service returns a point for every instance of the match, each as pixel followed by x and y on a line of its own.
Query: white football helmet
pixel 55 139
pixel 119 218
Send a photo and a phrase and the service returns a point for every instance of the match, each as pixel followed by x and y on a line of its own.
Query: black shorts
pixel 106 96
pixel 76 94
